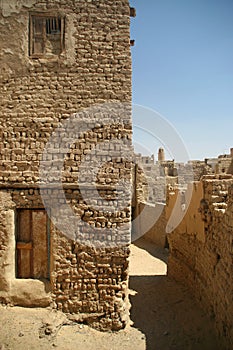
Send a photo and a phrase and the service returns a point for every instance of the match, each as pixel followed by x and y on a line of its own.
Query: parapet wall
pixel 201 254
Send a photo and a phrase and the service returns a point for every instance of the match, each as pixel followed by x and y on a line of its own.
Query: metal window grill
pixel 46 35
pixel 53 25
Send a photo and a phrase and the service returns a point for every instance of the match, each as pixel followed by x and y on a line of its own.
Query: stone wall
pixel 201 249
pixel 38 95
pixel 225 164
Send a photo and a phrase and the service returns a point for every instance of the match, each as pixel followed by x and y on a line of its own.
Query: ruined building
pixel 201 249
pixel 63 61
pixel 201 244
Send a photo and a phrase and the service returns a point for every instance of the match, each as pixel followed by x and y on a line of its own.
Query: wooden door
pixel 32 244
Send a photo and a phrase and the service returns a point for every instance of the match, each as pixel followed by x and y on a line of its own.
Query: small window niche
pixel 46 35
pixel 32 244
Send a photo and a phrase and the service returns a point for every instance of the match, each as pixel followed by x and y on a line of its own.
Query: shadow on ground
pixel 169 317
pixel 163 310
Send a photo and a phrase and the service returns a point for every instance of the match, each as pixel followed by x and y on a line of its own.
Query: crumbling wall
pixel 225 164
pixel 148 201
pixel 37 96
pixel 201 249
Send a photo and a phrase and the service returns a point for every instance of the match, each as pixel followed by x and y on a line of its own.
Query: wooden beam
pixel 24 245
pixel 132 12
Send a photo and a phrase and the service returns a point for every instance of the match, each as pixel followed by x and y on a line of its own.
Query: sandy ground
pixel 164 314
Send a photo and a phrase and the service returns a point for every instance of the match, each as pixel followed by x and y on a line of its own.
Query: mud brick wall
pixel 225 165
pixel 150 180
pixel 37 96
pixel 86 280
pixel 201 249
pixel 200 168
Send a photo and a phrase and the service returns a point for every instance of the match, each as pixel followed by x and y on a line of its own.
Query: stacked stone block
pixel 37 97
pixel 201 255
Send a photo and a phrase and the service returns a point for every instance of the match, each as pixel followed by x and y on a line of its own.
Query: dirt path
pixel 165 317
pixel 162 309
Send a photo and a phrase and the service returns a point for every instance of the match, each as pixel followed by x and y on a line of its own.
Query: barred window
pixel 46 35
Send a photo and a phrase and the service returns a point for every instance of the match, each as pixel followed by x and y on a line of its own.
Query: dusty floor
pixel 164 314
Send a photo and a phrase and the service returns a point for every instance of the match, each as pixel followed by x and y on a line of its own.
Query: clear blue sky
pixel 183 68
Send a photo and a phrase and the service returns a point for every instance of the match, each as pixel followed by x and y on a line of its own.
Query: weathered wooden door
pixel 32 244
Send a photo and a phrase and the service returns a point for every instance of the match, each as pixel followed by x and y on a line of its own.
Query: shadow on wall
pixel 169 318
pixel 150 223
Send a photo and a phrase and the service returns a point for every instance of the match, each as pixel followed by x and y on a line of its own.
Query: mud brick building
pixel 200 245
pixel 201 248
pixel 58 58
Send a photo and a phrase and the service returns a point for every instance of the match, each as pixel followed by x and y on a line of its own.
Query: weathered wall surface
pixel 153 223
pixel 149 201
pixel 37 95
pixel 150 222
pixel 225 164
pixel 201 249
pixel 150 181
